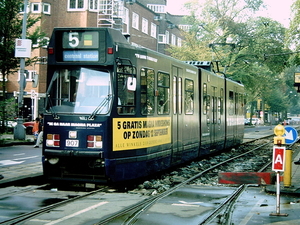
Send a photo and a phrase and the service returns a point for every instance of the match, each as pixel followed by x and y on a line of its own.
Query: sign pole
pixel 278 164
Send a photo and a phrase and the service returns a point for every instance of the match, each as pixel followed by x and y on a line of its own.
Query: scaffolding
pixel 110 14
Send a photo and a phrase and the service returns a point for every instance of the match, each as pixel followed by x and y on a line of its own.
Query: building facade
pixel 145 23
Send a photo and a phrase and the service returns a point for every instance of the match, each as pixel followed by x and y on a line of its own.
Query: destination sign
pixel 80 56
pixel 80 39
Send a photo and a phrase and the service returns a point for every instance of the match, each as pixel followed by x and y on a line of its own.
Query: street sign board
pixel 278 158
pixel 291 135
pixel 23 48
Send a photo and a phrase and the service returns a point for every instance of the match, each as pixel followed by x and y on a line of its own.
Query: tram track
pixel 26 216
pixel 136 210
pixel 131 213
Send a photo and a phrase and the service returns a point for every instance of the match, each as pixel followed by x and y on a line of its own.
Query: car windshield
pixel 79 90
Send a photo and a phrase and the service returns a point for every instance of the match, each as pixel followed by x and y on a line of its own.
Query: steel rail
pixel 27 216
pixel 138 208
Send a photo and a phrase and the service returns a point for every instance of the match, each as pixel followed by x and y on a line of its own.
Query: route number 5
pixel 73 39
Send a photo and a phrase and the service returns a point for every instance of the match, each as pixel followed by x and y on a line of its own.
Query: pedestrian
pixel 35 129
pixel 41 131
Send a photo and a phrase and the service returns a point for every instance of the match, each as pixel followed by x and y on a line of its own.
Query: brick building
pixel 145 22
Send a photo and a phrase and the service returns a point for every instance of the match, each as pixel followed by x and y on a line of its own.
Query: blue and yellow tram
pixel 116 112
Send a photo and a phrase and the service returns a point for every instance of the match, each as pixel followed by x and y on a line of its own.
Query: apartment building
pixel 145 23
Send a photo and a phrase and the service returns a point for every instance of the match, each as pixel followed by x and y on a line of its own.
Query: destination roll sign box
pixel 80 46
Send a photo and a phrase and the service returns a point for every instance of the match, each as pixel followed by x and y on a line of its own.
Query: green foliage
pixel 11 29
pixel 251 49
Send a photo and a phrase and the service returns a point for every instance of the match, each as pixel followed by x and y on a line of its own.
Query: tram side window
pixel 241 107
pixel 206 100
pixel 189 96
pixel 221 101
pixel 231 103
pixel 147 91
pixel 126 98
pixel 236 104
pixel 163 87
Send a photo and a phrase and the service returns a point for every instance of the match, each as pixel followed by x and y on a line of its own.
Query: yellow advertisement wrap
pixel 134 133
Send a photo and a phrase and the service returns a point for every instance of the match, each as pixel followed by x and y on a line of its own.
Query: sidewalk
pixel 8 140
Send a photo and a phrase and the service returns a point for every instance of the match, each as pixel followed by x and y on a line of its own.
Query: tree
pixel 10 29
pixel 246 47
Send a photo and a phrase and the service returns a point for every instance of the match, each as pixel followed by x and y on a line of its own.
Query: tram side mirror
pixel 131 83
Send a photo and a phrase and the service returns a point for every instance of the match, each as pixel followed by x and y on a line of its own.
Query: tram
pixel 116 112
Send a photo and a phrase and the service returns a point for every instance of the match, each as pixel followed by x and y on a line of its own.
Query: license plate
pixel 72 143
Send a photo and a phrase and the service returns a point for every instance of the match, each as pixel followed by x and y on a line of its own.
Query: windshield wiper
pixel 53 112
pixel 100 107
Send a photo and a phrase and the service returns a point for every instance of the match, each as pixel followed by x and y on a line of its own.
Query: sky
pixel 277 9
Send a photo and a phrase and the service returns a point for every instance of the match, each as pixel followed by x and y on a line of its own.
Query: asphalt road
pixel 19 154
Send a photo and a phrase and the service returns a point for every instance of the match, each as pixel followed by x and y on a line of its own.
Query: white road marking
pixel 10 162
pixel 77 213
pixel 15 161
pixel 31 157
pixel 19 154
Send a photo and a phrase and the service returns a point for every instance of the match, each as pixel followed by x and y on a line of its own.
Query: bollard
pixel 19 130
pixel 287 176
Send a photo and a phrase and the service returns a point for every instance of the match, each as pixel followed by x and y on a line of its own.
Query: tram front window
pixel 80 90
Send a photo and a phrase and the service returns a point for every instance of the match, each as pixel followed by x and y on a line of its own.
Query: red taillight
pixel 50 51
pixel 90 137
pixel 94 141
pixel 56 136
pixel 110 51
pixel 57 143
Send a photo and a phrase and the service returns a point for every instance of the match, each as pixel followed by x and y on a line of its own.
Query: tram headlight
pixel 94 141
pixel 53 161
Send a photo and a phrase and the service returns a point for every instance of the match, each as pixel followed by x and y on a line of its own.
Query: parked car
pixel 28 126
pixel 285 122
pixel 255 121
pixel 246 121
pixel 9 125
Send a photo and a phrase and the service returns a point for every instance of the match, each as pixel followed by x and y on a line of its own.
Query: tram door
pixel 177 117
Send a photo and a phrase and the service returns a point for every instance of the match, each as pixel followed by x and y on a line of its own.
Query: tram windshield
pixel 80 90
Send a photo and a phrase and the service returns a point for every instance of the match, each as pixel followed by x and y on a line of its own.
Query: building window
pixel 167 37
pixel 36 7
pixel 76 5
pixel 126 16
pixel 41 42
pixel 135 21
pixel 46 8
pixel 145 26
pixel 22 8
pixel 173 39
pixel 1 77
pixel 153 30
pixel 93 5
pixel 157 8
pixel 185 28
pixel 29 74
pixel 162 39
pixel 179 42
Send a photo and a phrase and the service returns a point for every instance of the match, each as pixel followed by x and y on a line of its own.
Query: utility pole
pixel 19 131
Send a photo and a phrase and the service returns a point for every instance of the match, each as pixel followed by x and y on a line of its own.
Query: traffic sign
pixel 278 158
pixel 291 135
